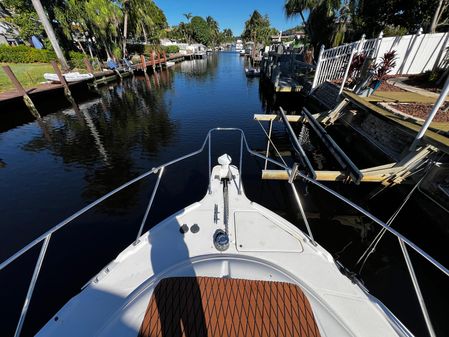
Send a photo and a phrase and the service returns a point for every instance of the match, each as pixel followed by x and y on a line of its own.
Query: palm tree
pixel 295 7
pixel 188 16
pixel 214 28
pixel 50 32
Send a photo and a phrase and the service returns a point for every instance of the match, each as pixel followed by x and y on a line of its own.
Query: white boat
pixel 69 77
pixel 223 266
pixel 238 45
pixel 252 72
pixel 169 64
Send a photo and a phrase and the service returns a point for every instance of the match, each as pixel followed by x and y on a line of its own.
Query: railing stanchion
pixel 422 304
pixel 291 181
pixel 150 203
pixel 210 167
pixel 241 163
pixel 36 272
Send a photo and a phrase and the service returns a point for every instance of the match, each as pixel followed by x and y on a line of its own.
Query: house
pixel 8 33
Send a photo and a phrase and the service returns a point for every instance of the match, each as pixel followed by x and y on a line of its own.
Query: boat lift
pixel 388 175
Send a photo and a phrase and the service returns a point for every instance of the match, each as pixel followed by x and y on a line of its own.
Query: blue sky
pixel 229 13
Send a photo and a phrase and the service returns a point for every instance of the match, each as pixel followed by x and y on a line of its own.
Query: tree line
pixel 200 30
pixel 106 25
pixel 332 22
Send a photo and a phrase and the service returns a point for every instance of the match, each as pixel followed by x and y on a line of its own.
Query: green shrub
pixel 392 30
pixel 117 52
pixel 25 54
pixel 77 60
pixel 171 49
pixel 76 55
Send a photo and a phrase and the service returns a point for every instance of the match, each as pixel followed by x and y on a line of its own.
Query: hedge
pixel 25 54
pixel 172 49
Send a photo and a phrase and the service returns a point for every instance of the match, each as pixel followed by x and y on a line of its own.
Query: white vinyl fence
pixel 415 54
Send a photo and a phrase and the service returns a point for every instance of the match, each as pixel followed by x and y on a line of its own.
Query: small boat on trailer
pixel 252 72
pixel 223 266
pixel 69 77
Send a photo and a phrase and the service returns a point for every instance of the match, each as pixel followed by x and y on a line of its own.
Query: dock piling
pixel 26 99
pixel 67 91
pixel 152 60
pixel 143 63
pixel 159 60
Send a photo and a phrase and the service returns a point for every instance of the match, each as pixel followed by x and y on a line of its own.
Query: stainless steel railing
pixel 293 173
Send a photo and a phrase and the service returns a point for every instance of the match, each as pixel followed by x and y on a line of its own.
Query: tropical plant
pixel 188 16
pixel 213 28
pixel 356 64
pixel 298 7
pixel 257 28
pixel 386 65
pixel 200 30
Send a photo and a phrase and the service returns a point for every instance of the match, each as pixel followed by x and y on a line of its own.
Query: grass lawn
pixel 29 74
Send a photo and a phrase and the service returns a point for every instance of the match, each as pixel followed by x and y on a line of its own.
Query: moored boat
pixel 222 266
pixel 238 45
pixel 69 77
pixel 252 72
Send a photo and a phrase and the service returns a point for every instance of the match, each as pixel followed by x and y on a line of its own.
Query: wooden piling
pixel 143 63
pixel 26 99
pixel 67 92
pixel 152 60
pixel 88 65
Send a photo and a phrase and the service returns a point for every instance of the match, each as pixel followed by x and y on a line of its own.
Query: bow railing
pixel 294 173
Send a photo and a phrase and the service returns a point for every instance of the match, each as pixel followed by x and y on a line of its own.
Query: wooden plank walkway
pixel 434 135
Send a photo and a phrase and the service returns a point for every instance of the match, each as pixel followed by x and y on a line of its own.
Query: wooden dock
pixel 281 70
pixel 153 62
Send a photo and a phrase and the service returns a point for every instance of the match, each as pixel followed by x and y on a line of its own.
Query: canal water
pixel 51 169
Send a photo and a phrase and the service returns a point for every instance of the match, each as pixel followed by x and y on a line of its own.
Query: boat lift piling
pixel 26 99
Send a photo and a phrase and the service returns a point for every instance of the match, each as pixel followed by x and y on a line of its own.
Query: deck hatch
pixel 256 233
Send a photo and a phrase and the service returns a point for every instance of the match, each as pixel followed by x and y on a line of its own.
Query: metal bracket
pixel 293 173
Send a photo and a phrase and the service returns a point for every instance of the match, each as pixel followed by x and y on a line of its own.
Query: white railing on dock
pixel 293 173
pixel 416 54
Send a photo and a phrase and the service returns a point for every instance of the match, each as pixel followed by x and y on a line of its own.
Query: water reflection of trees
pixel 127 124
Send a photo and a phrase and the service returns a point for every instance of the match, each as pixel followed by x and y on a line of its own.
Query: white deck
pixel 263 246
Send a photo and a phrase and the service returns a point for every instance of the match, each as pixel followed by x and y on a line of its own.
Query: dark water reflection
pixel 50 169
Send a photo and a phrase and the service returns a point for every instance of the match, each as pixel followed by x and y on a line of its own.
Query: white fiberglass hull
pixel 69 77
pixel 262 246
